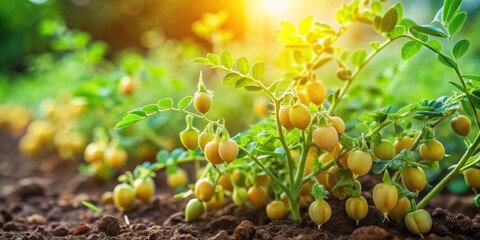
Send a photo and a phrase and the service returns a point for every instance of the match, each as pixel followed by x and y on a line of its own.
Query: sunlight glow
pixel 276 7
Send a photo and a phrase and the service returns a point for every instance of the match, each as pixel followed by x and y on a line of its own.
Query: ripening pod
pixel 418 222
pixel 385 197
pixel 225 182
pixel 202 102
pixel 204 189
pixel 283 116
pixel 228 150
pixel 359 162
pixel 414 179
pixel 29 145
pixel 193 210
pixel 316 91
pixel 260 107
pixel 189 138
pixel 212 154
pixel 94 152
pixel 403 143
pixel 257 196
pixel 127 85
pixel 461 125
pixel 320 212
pixel 338 124
pixel 300 116
pixel 357 208
pixel 177 179
pixel 144 189
pixel 204 138
pixel 124 196
pixel 276 210
pixel 401 210
pixel 302 94
pixel 432 150
pixel 472 177
pixel 325 137
pixel 115 156
pixel 385 150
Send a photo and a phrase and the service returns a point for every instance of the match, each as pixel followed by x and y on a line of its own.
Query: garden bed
pixel 41 199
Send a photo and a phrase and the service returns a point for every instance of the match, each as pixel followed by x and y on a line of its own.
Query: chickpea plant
pixel 302 152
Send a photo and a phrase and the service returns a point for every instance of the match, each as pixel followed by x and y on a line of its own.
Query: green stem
pixel 297 185
pixel 457 71
pixel 318 171
pixel 346 86
pixel 456 171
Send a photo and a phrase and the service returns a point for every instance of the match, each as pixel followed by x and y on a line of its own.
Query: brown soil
pixel 41 199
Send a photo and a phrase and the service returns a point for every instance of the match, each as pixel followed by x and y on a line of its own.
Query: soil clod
pixel 109 225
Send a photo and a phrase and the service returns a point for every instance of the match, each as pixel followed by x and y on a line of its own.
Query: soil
pixel 41 199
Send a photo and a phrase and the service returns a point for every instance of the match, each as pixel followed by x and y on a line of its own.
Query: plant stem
pixel 346 86
pixel 457 71
pixel 305 149
pixel 457 170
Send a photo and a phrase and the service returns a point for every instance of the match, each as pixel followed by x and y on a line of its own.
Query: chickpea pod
pixel 204 190
pixel 300 116
pixel 325 137
pixel 357 208
pixel 385 197
pixel 418 222
pixel 414 178
pixel 359 162
pixel 276 210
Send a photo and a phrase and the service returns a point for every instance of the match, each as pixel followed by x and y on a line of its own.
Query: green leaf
pixel 380 166
pixel 138 111
pixel 375 45
pixel 182 104
pixel 92 207
pixel 227 59
pixel 429 30
pixel 165 103
pixel 322 62
pixel 305 25
pixel 201 60
pixel 460 48
pixel 319 192
pixel 359 57
pixel 242 82
pixel 376 7
pixel 389 20
pixel 409 49
pixel 128 120
pixel 435 44
pixel 230 78
pixel 471 77
pixel 450 8
pixel 288 27
pixel 150 108
pixel 399 8
pixel 298 57
pixel 162 156
pixel 258 70
pixel 377 22
pixel 476 200
pixel 457 23
pixel 213 58
pixel 243 65
pixel 456 85
pixel 398 31
pixel 447 61
pixel 253 88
